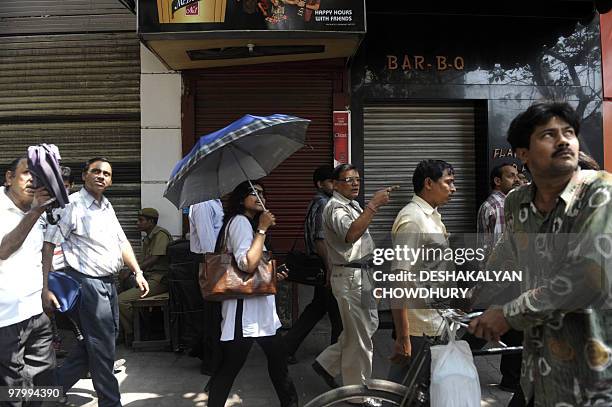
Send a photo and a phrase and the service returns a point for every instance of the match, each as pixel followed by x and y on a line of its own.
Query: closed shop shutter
pixel 304 90
pixel 82 93
pixel 397 136
pixel 18 17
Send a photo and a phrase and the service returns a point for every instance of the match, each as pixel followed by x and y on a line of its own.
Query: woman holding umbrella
pixel 252 319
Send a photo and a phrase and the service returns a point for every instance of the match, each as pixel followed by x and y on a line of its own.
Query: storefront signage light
pixel 421 63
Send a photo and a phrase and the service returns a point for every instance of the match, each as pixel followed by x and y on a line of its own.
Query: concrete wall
pixel 160 135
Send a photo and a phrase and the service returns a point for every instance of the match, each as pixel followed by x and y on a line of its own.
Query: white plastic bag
pixel 454 378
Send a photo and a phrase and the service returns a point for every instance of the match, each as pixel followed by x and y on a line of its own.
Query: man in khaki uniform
pixel 349 244
pixel 154 264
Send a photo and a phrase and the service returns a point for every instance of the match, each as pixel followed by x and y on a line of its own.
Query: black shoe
pixel 291 360
pixel 329 379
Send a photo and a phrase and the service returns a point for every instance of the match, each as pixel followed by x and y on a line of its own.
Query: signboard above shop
pixel 189 34
pixel 237 15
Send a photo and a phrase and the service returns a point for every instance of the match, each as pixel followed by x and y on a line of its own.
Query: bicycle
pixel 411 392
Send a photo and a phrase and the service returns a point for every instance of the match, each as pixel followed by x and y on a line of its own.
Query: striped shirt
pixel 90 235
pixel 491 222
pixel 313 224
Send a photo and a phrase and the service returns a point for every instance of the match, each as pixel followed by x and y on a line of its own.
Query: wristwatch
pixel 261 232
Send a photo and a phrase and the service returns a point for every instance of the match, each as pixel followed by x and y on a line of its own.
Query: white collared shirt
pixel 259 316
pixel 21 278
pixel 416 226
pixel 90 235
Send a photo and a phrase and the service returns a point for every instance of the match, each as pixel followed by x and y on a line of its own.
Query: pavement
pixel 151 378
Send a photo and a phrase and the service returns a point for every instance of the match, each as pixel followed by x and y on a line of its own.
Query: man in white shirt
pixel 95 249
pixel 26 355
pixel 205 221
pixel 417 225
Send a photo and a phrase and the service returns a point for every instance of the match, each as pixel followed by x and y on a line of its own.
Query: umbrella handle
pixel 247 178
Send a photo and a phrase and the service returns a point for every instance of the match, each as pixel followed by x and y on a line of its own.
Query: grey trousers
pixel 26 355
pixel 98 316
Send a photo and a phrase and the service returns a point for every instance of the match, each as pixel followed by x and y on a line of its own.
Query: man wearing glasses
pixel 348 244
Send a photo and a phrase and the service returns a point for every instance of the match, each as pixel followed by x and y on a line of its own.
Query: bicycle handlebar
pixel 463 319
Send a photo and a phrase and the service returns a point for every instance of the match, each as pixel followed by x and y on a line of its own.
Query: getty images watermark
pixel 417 282
pixel 562 270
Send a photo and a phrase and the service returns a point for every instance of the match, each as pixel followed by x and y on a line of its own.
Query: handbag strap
pixel 223 247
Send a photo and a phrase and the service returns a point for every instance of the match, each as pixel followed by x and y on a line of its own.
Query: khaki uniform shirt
pixel 338 216
pixel 419 225
pixel 155 244
pixel 564 308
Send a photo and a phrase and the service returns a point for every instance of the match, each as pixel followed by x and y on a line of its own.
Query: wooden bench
pixel 160 301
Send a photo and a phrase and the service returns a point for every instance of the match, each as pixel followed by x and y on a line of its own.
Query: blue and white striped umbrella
pixel 249 148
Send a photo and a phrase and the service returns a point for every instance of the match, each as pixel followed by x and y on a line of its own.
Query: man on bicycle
pixel 558 233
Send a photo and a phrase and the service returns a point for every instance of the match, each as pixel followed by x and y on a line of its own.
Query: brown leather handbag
pixel 221 279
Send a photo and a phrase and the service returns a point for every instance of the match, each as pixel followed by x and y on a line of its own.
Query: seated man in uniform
pixel 154 264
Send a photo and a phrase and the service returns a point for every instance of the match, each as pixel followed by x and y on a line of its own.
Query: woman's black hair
pixel 235 206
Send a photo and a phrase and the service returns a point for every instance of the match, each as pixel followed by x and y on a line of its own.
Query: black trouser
pixel 98 315
pixel 235 354
pixel 510 365
pixel 26 355
pixel 323 302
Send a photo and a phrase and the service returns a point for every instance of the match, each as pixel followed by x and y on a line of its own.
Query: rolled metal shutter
pixel 224 95
pixel 19 17
pixel 82 93
pixel 397 136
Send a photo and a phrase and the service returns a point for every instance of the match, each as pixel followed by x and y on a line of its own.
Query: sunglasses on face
pixel 259 191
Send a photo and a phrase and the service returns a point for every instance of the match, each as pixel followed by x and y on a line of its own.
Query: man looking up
pixel 95 248
pixel 26 355
pixel 558 232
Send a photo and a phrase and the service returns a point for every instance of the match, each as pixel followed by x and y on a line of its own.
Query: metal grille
pixel 224 95
pixel 398 136
pixel 64 16
pixel 82 93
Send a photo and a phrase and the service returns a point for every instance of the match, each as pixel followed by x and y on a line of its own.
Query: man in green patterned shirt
pixel 559 233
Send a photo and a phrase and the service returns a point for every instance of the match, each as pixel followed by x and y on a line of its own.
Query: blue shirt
pixel 205 222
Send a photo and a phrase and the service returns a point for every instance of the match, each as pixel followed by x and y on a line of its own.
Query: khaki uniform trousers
pixel 352 354
pixel 126 313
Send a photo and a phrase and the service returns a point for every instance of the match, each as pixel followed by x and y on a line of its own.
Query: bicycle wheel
pixel 382 390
